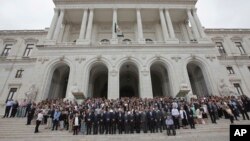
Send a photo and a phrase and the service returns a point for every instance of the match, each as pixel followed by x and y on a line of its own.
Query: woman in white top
pixel 76 124
pixel 38 120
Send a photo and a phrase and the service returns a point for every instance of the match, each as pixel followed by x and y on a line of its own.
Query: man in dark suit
pixel 211 107
pixel 190 116
pixel 159 118
pixel 144 121
pixel 120 121
pixel 131 121
pixel 31 113
pixel 137 121
pixel 89 120
pixel 101 119
pixel 151 119
pixel 113 122
pixel 126 123
pixel 107 122
pixel 95 123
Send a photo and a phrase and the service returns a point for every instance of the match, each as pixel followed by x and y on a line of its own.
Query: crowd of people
pixel 129 115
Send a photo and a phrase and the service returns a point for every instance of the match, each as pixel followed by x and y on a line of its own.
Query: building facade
pixel 118 48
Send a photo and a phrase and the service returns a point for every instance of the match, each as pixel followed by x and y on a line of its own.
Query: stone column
pixel 193 25
pixel 190 35
pixel 139 26
pixel 53 24
pixel 114 39
pixel 198 23
pixel 89 27
pixel 184 32
pixel 83 26
pixel 164 26
pixel 58 25
pixel 113 84
pixel 170 25
pixel 145 84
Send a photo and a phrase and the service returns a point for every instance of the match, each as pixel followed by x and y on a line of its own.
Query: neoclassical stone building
pixel 117 48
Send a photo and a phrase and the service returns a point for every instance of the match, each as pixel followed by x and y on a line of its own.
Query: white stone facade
pixel 164 48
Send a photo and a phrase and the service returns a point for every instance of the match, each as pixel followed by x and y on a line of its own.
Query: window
pixel 126 41
pixel 6 50
pixel 19 73
pixel 230 70
pixel 28 50
pixel 149 41
pixel 12 92
pixel 220 47
pixel 104 41
pixel 249 68
pixel 239 45
pixel 238 89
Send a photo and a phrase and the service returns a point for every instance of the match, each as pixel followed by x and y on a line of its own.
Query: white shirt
pixel 40 117
pixel 175 112
pixel 76 121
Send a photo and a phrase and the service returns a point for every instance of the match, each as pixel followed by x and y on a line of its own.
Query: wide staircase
pixel 15 129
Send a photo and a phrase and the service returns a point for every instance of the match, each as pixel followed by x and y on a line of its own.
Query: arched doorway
pixel 59 82
pixel 98 81
pixel 197 80
pixel 129 80
pixel 160 80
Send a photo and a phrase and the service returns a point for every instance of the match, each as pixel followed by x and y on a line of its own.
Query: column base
pixel 114 41
pixel 49 42
pixel 172 41
pixel 141 41
pixel 82 42
pixel 204 40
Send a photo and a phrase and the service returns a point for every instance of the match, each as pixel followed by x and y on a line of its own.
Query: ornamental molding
pixel 23 32
pixel 145 72
pixel 43 60
pixel 80 59
pixel 176 58
pixel 62 2
pixel 114 72
pixel 9 41
pixel 31 40
pixel 210 57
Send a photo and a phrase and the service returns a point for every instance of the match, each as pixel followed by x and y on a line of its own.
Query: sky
pixel 37 14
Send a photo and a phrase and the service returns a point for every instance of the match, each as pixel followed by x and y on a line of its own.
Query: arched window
pixel 104 41
pixel 126 41
pixel 149 41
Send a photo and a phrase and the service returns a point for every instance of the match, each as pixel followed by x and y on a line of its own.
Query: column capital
pixel 115 9
pixel 62 10
pixel 194 10
pixel 188 10
pixel 56 9
pixel 138 9
pixel 161 9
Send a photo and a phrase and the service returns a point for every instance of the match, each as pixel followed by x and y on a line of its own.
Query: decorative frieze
pixel 43 60
pixel 80 59
pixel 176 58
pixel 114 72
pixel 210 57
pixel 145 72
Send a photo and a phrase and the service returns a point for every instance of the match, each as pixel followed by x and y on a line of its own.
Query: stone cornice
pixel 242 57
pixel 227 31
pixel 23 32
pixel 23 60
pixel 195 45
pixel 63 2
